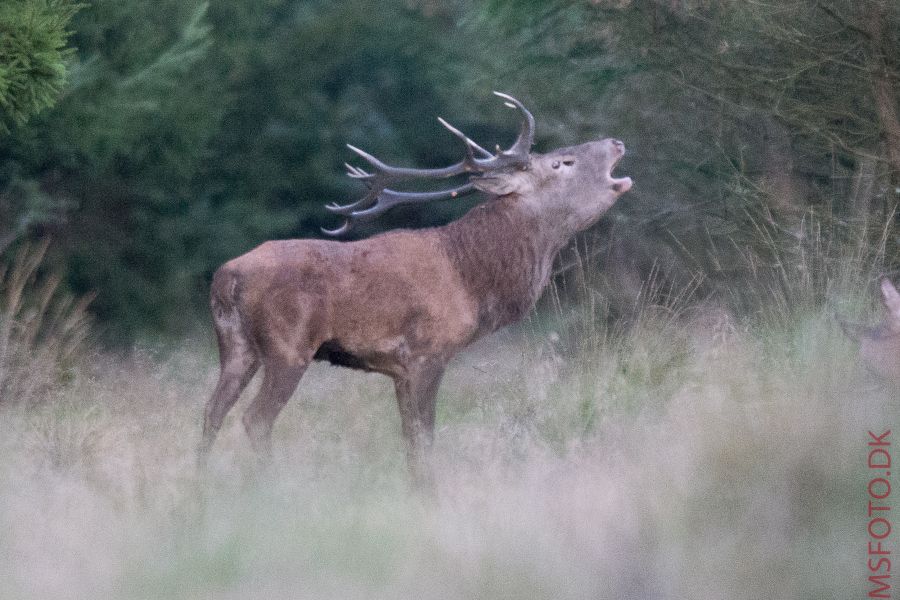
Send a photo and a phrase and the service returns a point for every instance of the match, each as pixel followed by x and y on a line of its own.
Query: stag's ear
pixel 499 184
pixel 891 299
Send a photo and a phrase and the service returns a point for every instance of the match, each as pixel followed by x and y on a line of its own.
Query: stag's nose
pixel 620 146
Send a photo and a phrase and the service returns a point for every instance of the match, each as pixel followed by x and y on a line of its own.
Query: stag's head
pixel 574 185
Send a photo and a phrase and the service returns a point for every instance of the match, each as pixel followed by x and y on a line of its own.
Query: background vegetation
pixel 187 132
pixel 680 415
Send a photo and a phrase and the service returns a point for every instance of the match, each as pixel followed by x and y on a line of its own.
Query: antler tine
pixel 391 198
pixel 522 145
pixel 344 228
pixel 470 144
pixel 357 173
pixel 518 151
pixel 347 209
pixel 385 200
pixel 388 172
pixel 379 198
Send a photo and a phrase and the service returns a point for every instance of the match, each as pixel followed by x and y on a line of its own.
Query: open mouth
pixel 619 184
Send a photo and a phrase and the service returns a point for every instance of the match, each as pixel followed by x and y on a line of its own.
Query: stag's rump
pixel 273 297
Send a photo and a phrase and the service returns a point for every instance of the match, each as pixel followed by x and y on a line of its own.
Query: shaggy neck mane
pixel 504 257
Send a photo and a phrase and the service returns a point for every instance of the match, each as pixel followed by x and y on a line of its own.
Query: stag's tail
pixel 228 314
pixel 224 296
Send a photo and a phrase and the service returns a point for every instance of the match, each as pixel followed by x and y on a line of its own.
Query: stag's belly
pixel 331 351
pixel 391 327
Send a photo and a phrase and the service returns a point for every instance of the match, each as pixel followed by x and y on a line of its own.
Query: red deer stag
pixel 879 346
pixel 404 302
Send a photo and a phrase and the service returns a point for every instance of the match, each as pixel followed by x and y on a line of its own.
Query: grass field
pixel 687 458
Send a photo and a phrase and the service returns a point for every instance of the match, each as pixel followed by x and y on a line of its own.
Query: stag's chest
pixel 504 257
pixel 512 292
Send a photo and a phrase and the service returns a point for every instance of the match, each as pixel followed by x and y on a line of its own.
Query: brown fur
pixel 506 270
pixel 401 303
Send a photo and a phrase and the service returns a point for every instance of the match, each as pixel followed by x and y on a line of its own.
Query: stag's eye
pixel 568 162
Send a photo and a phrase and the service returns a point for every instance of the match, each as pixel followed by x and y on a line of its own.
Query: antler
pixel 380 198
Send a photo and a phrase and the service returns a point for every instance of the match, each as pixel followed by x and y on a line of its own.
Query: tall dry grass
pixel 42 328
pixel 691 454
pixel 684 458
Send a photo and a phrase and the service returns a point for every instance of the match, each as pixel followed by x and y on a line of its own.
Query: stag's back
pixel 392 293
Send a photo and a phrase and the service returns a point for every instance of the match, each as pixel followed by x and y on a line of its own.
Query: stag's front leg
pixel 417 399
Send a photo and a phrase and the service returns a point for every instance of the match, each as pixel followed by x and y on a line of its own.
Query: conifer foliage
pixel 33 56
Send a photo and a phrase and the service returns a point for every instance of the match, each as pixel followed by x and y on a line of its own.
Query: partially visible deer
pixel 879 346
pixel 405 302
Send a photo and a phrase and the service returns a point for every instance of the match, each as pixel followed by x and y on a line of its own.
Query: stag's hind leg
pixel 280 379
pixel 238 364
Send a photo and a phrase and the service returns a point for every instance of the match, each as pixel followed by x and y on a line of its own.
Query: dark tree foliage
pixel 33 70
pixel 118 153
pixel 188 133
